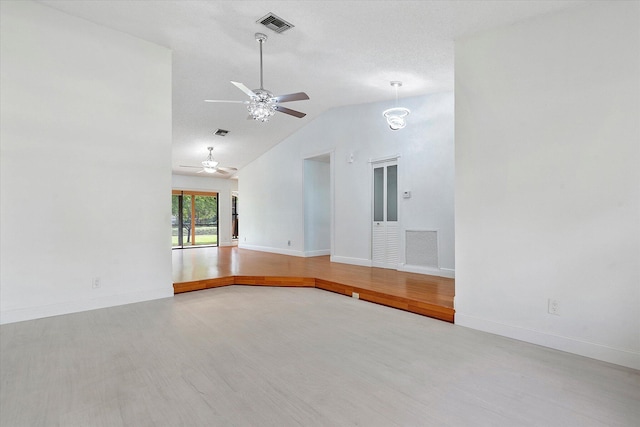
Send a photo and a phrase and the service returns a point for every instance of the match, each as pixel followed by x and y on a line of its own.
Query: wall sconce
pixel 396 116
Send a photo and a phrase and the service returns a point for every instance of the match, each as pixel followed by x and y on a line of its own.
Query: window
pixel 194 218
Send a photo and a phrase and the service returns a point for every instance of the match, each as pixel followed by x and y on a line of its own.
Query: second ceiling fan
pixel 262 103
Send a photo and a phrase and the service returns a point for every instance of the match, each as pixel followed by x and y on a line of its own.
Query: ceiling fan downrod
pixel 261 38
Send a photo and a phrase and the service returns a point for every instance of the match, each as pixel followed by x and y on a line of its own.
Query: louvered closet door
pixel 385 235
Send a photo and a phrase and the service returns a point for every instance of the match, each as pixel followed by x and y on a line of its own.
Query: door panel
pixel 378 255
pixel 378 194
pixel 385 236
pixel 392 243
pixel 392 193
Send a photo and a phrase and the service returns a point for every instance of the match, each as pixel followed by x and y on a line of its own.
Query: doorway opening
pixel 234 215
pixel 318 205
pixel 194 219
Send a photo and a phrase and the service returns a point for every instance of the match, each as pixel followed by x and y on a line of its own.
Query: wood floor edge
pixel 426 309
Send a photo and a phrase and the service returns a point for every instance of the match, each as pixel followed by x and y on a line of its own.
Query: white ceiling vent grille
pixel 275 23
pixel 221 132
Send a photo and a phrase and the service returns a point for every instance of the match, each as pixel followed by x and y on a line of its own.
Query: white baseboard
pixel 595 351
pixel 323 252
pixel 280 251
pixel 431 271
pixel 353 261
pixel 30 313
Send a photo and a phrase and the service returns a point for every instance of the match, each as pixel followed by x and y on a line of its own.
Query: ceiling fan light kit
pixel 210 165
pixel 396 116
pixel 262 106
pixel 262 103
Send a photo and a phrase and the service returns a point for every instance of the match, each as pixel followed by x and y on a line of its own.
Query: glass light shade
pixel 396 117
pixel 211 164
pixel 209 169
pixel 262 106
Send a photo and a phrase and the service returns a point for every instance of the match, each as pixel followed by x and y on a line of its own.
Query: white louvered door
pixel 385 235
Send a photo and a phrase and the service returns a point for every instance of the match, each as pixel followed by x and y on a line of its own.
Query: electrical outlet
pixel 95 283
pixel 554 306
pixel 355 295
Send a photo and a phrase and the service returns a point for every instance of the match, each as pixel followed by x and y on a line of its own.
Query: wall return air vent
pixel 275 23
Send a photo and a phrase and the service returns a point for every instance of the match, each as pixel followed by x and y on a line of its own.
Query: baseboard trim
pixel 68 307
pixel 290 252
pixel 571 345
pixel 353 261
pixel 431 271
pixel 324 252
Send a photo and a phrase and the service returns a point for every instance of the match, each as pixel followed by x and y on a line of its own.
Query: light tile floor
pixel 256 356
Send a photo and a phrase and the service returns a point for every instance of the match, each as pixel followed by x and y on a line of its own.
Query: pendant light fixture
pixel 396 116
pixel 210 165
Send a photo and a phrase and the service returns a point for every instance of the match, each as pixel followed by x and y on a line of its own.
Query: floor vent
pixel 421 248
pixel 275 23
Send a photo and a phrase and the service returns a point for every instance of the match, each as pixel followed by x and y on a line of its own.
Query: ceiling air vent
pixel 275 23
pixel 221 132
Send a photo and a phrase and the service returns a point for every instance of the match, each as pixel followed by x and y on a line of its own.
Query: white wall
pixel 85 153
pixel 317 207
pixel 548 181
pixel 223 187
pixel 272 186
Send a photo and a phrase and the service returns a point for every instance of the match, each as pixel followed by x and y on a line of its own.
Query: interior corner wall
pixel 272 186
pixel 85 142
pixel 223 187
pixel 548 183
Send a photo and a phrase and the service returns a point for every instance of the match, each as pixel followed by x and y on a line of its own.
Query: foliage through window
pixel 194 218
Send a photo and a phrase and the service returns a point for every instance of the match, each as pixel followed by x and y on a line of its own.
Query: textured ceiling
pixel 339 53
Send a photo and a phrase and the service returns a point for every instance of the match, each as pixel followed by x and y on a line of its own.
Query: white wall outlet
pixel 355 295
pixel 95 283
pixel 553 306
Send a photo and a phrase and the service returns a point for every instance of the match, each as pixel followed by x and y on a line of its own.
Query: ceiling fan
pixel 210 165
pixel 262 103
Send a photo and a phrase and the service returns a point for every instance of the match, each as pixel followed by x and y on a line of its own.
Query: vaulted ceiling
pixel 339 53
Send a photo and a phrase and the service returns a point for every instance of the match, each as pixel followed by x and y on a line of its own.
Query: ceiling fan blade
pixel 300 96
pixel 244 89
pixel 232 102
pixel 200 171
pixel 195 167
pixel 227 170
pixel 294 113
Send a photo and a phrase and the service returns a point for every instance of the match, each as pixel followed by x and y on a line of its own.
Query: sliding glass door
pixel 194 219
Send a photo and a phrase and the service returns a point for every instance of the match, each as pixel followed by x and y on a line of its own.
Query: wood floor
pixel 202 268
